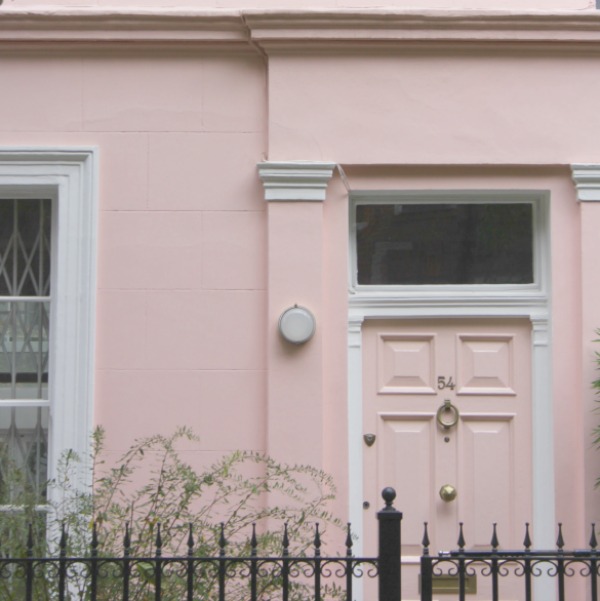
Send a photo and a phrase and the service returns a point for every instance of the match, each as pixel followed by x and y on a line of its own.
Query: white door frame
pixel 426 302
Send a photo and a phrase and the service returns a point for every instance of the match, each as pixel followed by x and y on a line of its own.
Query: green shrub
pixel 150 488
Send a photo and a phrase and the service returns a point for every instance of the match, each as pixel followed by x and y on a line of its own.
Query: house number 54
pixel 444 382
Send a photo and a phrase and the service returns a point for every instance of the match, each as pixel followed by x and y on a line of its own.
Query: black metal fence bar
pixel 94 566
pixel 349 565
pixel 253 565
pixel 62 567
pixel 28 573
pixel 593 579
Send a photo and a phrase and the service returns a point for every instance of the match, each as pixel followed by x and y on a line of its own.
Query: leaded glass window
pixel 469 243
pixel 25 226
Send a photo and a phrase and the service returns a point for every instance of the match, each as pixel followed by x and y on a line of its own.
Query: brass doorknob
pixel 448 493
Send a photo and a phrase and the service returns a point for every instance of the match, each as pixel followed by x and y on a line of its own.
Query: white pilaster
pixel 295 192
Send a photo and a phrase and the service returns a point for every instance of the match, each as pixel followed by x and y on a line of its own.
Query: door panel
pixel 482 368
pixel 485 364
pixel 406 364
pixel 486 479
pixel 404 436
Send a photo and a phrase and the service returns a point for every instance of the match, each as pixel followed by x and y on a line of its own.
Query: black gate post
pixel 390 577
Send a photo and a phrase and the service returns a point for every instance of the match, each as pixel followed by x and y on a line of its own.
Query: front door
pixel 449 404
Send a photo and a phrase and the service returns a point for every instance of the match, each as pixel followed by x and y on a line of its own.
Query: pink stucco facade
pixel 183 101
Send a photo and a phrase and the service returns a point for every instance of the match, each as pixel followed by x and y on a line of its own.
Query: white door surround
pixel 463 302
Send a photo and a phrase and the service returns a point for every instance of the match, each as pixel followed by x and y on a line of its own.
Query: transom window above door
pixel 445 240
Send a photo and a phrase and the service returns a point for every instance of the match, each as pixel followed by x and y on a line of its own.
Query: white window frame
pixel 464 293
pixel 69 177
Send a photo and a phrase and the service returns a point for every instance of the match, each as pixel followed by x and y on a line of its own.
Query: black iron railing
pixel 221 577
pixel 500 574
pixel 499 569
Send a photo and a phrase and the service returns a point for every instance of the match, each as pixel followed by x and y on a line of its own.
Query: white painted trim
pixel 69 177
pixel 543 448
pixel 406 303
pixel 355 430
pixel 392 25
pixel 587 181
pixel 24 403
pixel 114 24
pixel 296 27
pixel 295 180
pixel 464 295
pixel 543 426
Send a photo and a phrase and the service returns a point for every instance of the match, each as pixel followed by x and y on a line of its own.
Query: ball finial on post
pixel 388 494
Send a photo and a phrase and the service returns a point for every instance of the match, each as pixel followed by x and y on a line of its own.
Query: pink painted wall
pixel 182 229
pixel 195 268
pixel 444 106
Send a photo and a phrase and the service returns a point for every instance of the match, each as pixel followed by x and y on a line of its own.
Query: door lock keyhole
pixel 369 439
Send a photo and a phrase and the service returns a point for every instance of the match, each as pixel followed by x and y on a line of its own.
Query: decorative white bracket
pixel 587 181
pixel 295 181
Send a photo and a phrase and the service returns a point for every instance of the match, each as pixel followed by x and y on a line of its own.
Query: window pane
pixel 24 350
pixel 25 247
pixel 23 452
pixel 417 244
pixel 25 226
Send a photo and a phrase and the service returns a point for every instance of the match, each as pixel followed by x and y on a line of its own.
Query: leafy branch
pixel 151 484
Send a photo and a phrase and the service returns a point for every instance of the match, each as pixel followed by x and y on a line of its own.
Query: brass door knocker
pixel 447 415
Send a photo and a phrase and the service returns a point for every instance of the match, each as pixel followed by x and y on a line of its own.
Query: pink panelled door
pixel 449 403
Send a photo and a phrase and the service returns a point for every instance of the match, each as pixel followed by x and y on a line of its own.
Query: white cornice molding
pixel 122 25
pixel 452 26
pixel 587 181
pixel 296 27
pixel 295 180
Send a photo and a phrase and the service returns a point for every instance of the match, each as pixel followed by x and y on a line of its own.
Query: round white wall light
pixel 297 325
